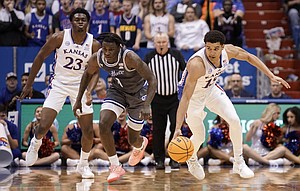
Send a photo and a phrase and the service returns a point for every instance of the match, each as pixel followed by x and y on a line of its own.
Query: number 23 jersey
pixel 71 59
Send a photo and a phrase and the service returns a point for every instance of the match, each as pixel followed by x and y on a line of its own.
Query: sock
pixel 276 162
pixel 114 160
pixel 238 158
pixel 231 159
pixel 84 156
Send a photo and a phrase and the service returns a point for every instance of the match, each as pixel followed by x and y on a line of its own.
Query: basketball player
pixel 128 91
pixel 73 49
pixel 200 90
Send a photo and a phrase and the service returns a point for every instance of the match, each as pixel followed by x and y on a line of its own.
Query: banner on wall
pixel 25 57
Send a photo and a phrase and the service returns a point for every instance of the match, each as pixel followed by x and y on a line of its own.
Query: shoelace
pixel 115 169
pixel 136 152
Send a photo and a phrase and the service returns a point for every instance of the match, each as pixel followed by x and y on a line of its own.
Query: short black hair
pixel 80 10
pixel 25 74
pixel 215 36
pixel 3 109
pixel 111 38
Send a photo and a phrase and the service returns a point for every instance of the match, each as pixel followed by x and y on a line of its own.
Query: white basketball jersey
pixel 211 71
pixel 71 59
pixel 206 82
pixel 158 24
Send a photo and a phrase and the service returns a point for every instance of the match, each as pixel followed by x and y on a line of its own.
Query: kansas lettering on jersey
pixel 40 29
pixel 99 23
pixel 71 59
pixel 206 82
pixel 124 79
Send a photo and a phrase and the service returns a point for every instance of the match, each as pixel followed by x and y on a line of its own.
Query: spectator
pixel 35 94
pixel 144 9
pixel 237 89
pixel 115 7
pixel 129 26
pixel 61 19
pixel 190 33
pixel 293 11
pixel 101 19
pixel 158 21
pixel 109 81
pixel 47 82
pixel 270 114
pixel 276 92
pixel 100 90
pixel 47 156
pixel 221 150
pixel 38 25
pixel 207 12
pixel 12 133
pixel 71 145
pixel 11 88
pixel 179 10
pixel 167 65
pixel 230 25
pixel 238 8
pixel 11 25
pixel 77 4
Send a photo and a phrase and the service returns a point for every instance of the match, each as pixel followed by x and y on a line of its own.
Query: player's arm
pixel 195 69
pixel 64 139
pixel 94 80
pixel 147 28
pixel 55 135
pixel 134 61
pixel 241 54
pixel 53 42
pixel 26 135
pixel 91 69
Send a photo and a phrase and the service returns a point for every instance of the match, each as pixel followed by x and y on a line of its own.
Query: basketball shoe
pixel 84 170
pixel 195 169
pixel 32 152
pixel 137 154
pixel 240 167
pixel 116 172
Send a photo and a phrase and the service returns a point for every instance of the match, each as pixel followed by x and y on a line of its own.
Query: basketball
pixel 181 149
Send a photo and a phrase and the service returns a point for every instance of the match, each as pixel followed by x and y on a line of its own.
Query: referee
pixel 166 65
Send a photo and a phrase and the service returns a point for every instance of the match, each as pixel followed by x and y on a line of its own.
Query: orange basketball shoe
pixel 116 172
pixel 137 154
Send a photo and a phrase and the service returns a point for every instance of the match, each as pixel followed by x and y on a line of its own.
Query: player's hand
pixel 77 109
pixel 26 92
pixel 177 133
pixel 89 98
pixel 279 80
pixel 145 112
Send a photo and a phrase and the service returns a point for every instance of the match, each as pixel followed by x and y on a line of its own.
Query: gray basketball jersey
pixel 124 79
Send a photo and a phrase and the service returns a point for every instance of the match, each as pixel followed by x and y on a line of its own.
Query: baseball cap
pixel 11 75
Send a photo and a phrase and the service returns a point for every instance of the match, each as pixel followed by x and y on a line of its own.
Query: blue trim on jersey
pixel 86 35
pixel 114 102
pixel 181 84
pixel 135 120
pixel 211 62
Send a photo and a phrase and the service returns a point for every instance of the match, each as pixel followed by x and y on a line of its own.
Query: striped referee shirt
pixel 167 69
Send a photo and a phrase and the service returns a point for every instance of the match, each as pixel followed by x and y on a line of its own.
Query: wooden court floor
pixel 149 179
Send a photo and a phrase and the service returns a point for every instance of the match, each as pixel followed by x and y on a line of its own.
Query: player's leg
pixel 195 116
pixel 85 120
pixel 51 107
pixel 138 142
pixel 219 103
pixel 110 110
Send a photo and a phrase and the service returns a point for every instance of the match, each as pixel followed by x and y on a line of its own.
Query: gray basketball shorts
pixel 117 101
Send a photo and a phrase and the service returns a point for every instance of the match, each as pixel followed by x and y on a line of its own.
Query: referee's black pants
pixel 162 106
